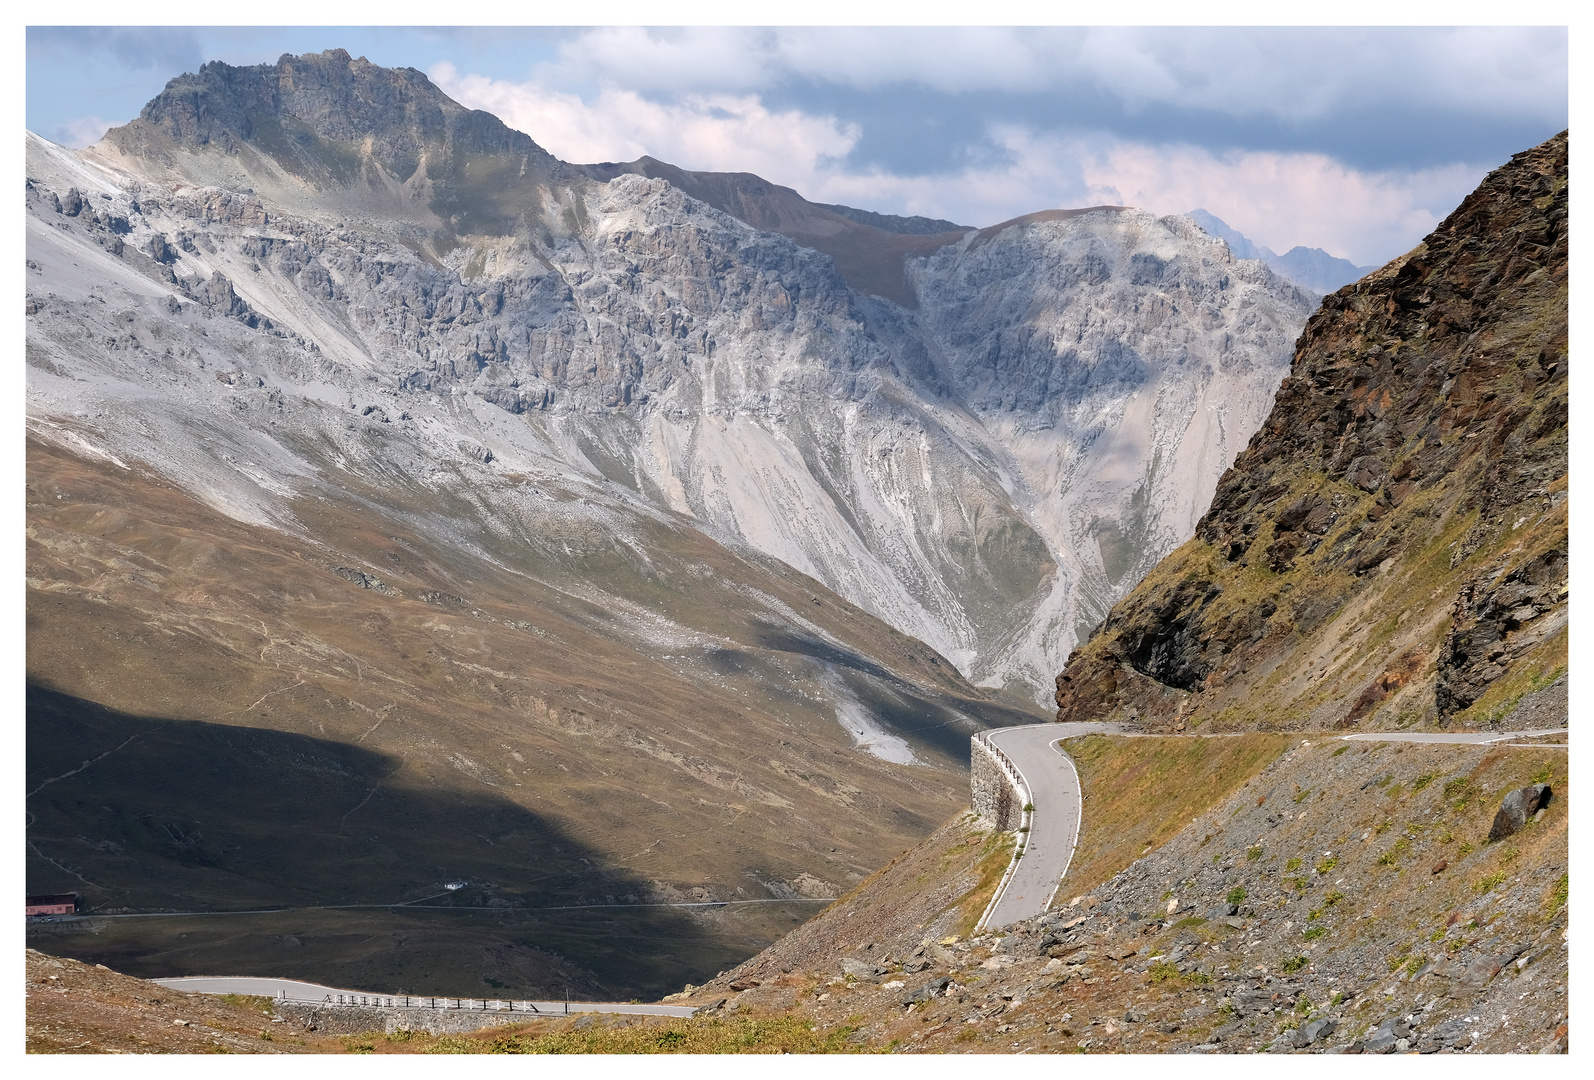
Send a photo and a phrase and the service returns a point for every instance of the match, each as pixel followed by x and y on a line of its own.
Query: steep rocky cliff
pixel 1391 548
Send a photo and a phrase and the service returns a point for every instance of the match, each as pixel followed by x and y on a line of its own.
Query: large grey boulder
pixel 1516 808
pixel 858 969
pixel 926 992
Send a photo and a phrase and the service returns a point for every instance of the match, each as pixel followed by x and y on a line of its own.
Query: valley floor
pixel 1307 895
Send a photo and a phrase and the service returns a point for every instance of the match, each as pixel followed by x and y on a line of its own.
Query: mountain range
pixel 1310 268
pixel 644 531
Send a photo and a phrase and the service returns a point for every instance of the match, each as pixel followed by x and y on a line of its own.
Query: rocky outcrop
pixel 1392 543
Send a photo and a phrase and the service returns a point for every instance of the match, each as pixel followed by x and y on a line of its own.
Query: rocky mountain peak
pixel 332 123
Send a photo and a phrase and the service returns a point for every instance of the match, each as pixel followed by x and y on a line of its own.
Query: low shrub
pixel 1489 884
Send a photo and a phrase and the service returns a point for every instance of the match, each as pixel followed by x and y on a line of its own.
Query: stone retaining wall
pixel 353 1019
pixel 995 799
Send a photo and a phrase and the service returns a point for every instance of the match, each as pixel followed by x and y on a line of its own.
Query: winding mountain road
pixel 1054 826
pixel 1054 788
pixel 1483 738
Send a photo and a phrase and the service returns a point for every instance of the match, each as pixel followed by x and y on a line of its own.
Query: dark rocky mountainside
pixel 1392 545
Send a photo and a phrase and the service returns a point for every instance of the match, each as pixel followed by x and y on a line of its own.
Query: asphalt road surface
pixel 1054 827
pixel 303 991
pixel 1451 736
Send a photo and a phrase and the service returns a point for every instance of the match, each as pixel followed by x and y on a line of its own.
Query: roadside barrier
pixel 1016 779
pixel 401 1001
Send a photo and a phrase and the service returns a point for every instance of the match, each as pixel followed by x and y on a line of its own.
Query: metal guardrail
pixel 1016 778
pixel 405 1001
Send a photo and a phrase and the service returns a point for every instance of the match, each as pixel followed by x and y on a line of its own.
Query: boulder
pixel 160 250
pixel 926 992
pixel 1314 1030
pixel 858 969
pixel 1384 1040
pixel 1516 808
pixel 1223 911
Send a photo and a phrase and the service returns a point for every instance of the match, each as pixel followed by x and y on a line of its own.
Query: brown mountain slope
pixel 267 726
pixel 1296 898
pixel 1392 546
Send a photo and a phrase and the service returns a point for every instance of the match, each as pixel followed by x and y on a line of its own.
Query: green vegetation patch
pixel 714 1035
pixel 996 853
pixel 1145 790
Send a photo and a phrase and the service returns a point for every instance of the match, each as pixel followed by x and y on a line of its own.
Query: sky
pixel 1358 140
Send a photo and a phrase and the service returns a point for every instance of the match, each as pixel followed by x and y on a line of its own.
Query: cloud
pixel 1283 200
pixel 84 131
pixel 1297 74
pixel 712 132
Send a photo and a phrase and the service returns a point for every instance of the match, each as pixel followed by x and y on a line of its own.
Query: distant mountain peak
pixel 1310 268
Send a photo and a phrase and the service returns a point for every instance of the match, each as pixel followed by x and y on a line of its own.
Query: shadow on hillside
pixel 934 720
pixel 147 813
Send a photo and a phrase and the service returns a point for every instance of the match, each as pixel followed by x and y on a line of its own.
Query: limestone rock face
pixel 1119 359
pixel 1392 544
pixel 982 437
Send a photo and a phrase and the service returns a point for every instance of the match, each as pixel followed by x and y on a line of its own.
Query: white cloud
pixel 1307 73
pixel 1290 73
pixel 84 131
pixel 710 132
pixel 1279 200
pixel 1282 200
